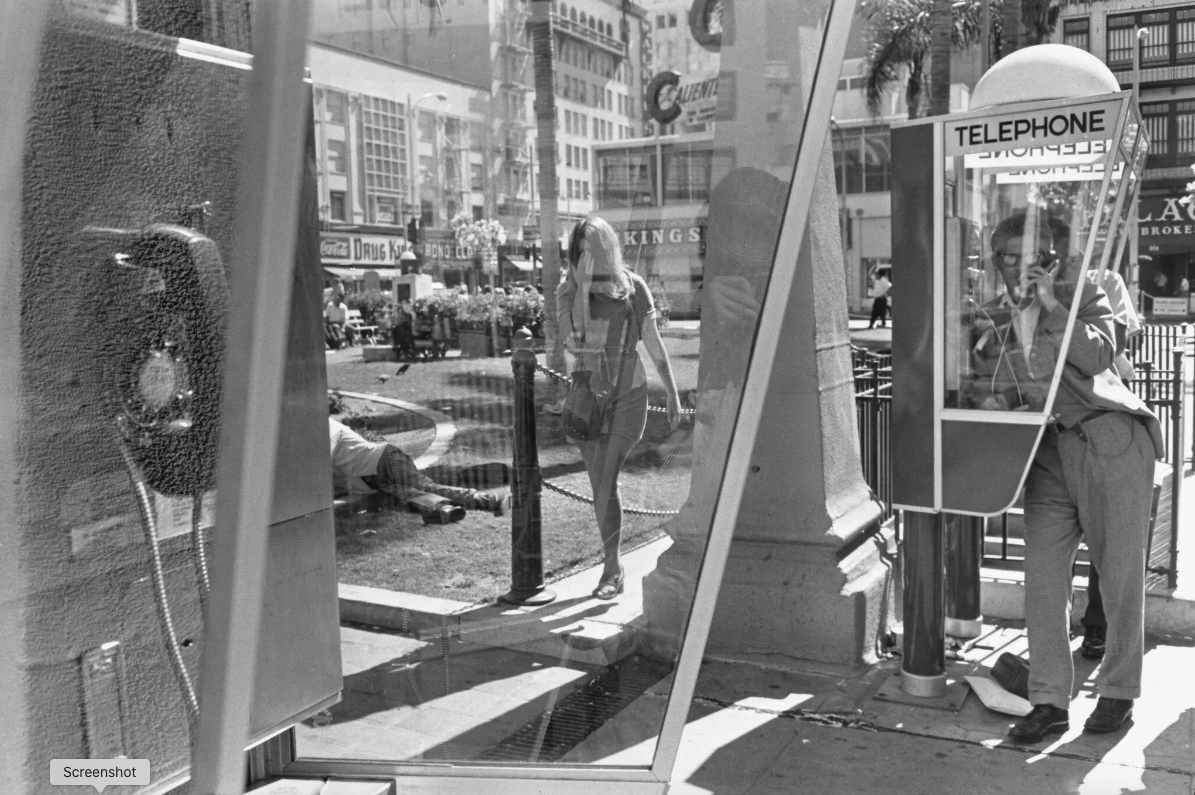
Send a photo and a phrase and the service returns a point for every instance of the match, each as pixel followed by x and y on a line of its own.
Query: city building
pixel 1166 226
pixel 374 174
pixel 599 78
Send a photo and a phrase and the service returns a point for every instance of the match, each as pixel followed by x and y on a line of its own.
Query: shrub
pixel 370 303
pixel 525 310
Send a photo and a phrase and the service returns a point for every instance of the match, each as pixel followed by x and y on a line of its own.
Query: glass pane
pixel 129 201
pixel 1016 242
pixel 678 234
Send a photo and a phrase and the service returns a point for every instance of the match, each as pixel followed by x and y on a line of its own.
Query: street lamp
pixel 416 195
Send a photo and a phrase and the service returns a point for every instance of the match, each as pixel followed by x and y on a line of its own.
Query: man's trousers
pixel 1098 477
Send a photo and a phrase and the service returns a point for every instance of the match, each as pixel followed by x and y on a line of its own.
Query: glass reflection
pixel 691 210
pixel 1027 225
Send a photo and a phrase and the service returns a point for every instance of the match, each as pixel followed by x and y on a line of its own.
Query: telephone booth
pixel 1035 182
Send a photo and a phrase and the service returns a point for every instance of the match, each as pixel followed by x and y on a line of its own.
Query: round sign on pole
pixel 661 97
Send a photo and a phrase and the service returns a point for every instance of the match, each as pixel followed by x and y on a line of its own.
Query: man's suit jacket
pixel 1001 367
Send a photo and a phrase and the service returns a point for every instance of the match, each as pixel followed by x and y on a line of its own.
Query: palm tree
pixel 941 27
pixel 900 37
pixel 544 66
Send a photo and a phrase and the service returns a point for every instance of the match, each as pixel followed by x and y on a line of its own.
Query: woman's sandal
pixel 608 589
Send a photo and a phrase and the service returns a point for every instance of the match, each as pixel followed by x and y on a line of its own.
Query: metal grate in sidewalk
pixel 580 713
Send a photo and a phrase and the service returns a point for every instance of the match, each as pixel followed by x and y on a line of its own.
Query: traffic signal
pixel 412 231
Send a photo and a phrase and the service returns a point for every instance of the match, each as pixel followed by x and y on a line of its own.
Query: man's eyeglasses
pixel 1013 260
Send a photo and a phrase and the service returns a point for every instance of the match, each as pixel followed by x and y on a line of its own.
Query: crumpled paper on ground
pixel 996 698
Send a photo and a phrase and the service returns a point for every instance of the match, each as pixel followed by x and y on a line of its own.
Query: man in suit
pixel 1093 469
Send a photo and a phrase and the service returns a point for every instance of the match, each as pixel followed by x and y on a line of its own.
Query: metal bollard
pixel 964 557
pixel 526 519
pixel 923 664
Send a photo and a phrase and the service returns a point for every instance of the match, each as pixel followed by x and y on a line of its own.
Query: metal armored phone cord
pixel 145 508
pixel 198 540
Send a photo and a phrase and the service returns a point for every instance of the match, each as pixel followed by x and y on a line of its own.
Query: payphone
pixel 118 374
pixel 1032 186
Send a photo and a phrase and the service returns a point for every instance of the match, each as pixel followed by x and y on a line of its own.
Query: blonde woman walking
pixel 604 311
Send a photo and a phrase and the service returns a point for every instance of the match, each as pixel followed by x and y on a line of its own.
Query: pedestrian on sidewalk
pixel 606 310
pixel 879 304
pixel 1092 474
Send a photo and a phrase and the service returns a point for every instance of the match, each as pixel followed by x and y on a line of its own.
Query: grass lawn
pixel 470 560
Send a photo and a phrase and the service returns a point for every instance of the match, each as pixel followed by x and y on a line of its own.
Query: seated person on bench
pixel 361 467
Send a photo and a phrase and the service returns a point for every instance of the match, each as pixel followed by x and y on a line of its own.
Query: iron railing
pixel 873 411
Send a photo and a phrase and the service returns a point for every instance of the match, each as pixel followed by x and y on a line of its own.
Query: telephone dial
pixel 162 294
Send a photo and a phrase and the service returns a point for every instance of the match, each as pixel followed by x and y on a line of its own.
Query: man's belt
pixel 1059 428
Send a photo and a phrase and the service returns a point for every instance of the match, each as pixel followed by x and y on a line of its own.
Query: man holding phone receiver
pixel 1092 474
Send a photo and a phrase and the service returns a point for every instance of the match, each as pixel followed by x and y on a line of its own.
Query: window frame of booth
pixel 607 780
pixel 1128 112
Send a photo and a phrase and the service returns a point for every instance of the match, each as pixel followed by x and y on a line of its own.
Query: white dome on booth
pixel 1043 71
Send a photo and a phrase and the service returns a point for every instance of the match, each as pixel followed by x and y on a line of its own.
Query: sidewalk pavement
pixel 750 731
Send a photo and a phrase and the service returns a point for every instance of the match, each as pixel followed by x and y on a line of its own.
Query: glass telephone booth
pixel 986 205
pixel 163 253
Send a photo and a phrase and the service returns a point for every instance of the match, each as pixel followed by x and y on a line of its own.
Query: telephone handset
pixel 161 295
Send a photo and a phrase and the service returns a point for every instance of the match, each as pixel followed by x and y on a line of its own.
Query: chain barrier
pixel 572 495
pixel 548 371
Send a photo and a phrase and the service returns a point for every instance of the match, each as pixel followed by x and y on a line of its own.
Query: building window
pixel 660 21
pixel 1156 48
pixel 336 208
pixel 862 156
pixel 568 122
pixel 384 135
pixel 478 212
pixel 584 158
pixel 427 170
pixel 568 155
pixel 1120 39
pixel 335 107
pixel 1077 33
pixel 427 126
pixel 1184 127
pixel 385 210
pixel 337 157
pixel 1157 123
pixel 585 189
pixel 477 177
pixel 672 20
pixel 1184 34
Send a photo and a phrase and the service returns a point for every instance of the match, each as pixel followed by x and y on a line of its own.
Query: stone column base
pixel 780 602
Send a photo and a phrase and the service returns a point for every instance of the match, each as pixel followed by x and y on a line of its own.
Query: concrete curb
pixel 1002 595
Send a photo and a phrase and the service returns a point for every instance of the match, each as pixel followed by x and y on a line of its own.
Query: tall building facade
pixel 1166 52
pixel 395 143
pixel 599 77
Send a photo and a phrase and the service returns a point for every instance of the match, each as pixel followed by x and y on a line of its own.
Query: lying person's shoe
pixel 1109 715
pixel 1044 719
pixel 1093 643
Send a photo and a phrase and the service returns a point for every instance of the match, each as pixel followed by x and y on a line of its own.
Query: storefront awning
pixel 358 274
pixel 521 264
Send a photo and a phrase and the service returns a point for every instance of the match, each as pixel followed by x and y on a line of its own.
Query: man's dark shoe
pixel 1044 719
pixel 1109 715
pixel 1093 643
